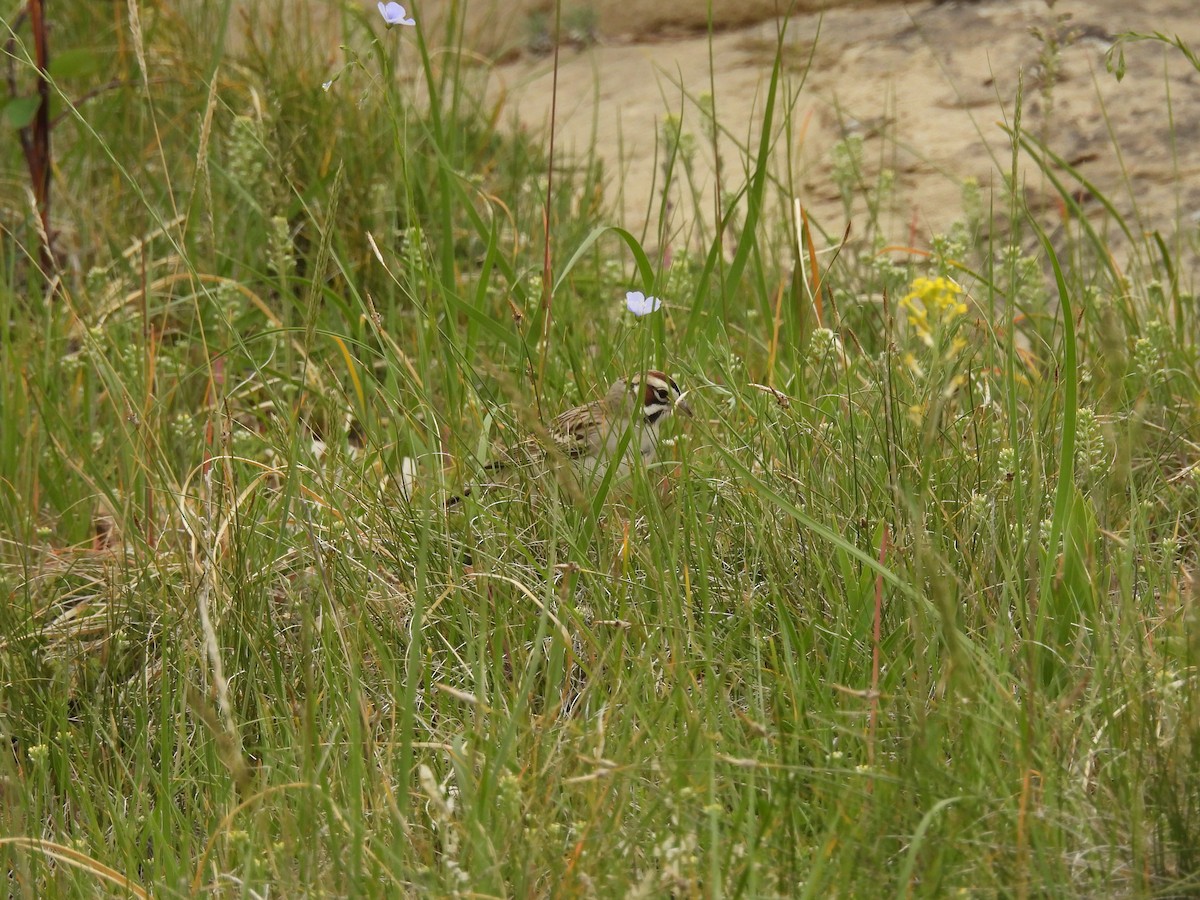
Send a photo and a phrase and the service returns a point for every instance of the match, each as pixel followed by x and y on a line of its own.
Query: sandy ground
pixel 926 85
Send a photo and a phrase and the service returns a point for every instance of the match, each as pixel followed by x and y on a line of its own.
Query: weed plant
pixel 908 608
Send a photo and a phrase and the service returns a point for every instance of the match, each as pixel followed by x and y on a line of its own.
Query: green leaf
pixel 19 111
pixel 645 270
pixel 77 63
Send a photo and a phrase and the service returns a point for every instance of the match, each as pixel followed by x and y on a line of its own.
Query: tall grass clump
pixel 910 607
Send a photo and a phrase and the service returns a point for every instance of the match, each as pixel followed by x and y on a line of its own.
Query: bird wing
pixel 574 432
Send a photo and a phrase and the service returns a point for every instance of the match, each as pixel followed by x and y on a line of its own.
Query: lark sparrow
pixel 590 435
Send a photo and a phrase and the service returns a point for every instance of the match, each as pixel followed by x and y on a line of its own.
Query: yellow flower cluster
pixel 932 302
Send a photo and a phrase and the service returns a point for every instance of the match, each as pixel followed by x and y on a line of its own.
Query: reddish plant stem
pixel 35 139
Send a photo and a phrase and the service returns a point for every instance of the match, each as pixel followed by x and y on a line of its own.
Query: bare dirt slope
pixel 926 85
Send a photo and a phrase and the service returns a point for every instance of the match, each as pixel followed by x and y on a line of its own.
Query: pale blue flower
pixel 394 14
pixel 641 305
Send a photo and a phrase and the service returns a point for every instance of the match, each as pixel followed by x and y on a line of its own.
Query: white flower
pixel 327 85
pixel 394 14
pixel 639 304
pixel 408 477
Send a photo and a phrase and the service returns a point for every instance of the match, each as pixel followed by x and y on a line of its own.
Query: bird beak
pixel 681 406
